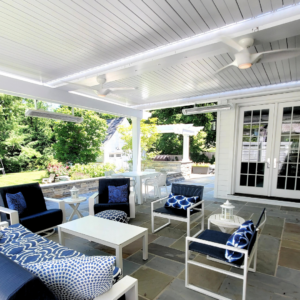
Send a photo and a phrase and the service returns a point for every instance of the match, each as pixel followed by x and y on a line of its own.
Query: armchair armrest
pixel 194 207
pixel 132 204
pixel 217 245
pixel 159 200
pixel 127 285
pixel 92 203
pixel 61 205
pixel 14 215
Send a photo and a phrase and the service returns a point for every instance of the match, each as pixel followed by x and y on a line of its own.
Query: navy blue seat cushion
pixel 33 196
pixel 174 212
pixel 116 206
pixel 16 202
pixel 42 220
pixel 105 182
pixel 118 194
pixel 216 237
pixel 18 283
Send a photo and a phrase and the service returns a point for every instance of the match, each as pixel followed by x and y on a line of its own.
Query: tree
pixel 149 136
pixel 79 142
pixel 170 143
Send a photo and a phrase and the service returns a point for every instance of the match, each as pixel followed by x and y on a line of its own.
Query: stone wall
pixel 62 189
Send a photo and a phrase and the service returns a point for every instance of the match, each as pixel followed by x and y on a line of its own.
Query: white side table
pixel 74 203
pixel 225 225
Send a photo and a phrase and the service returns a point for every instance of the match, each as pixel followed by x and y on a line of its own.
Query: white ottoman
pixel 114 215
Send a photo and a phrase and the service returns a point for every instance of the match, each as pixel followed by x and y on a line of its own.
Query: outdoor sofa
pixel 20 249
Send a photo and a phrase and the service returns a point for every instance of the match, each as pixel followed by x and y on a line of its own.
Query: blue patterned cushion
pixel 117 194
pixel 240 239
pixel 114 215
pixel 16 202
pixel 25 247
pixel 181 202
pixel 76 278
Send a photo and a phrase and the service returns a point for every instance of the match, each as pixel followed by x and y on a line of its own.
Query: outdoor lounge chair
pixel 213 244
pixel 36 217
pixel 50 179
pixel 99 201
pixel 180 214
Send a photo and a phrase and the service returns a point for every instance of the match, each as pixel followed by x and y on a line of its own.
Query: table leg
pixel 208 224
pixel 73 212
pixel 78 213
pixel 119 257
pixel 139 190
pixel 145 246
pixel 61 236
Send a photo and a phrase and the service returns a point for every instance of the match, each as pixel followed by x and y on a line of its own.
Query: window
pixel 111 155
pixel 118 155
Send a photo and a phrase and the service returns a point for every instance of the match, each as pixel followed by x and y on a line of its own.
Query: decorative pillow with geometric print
pixel 77 278
pixel 181 202
pixel 240 239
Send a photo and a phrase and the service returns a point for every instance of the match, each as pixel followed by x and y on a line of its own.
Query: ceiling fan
pixel 100 90
pixel 244 59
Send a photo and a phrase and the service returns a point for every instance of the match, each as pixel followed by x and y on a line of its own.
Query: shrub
pixel 92 170
pixel 57 168
pixel 77 176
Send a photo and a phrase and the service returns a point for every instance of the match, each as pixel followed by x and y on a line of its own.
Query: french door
pixel 254 150
pixel 268 161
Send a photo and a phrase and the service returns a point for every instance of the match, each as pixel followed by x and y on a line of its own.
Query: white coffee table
pixel 225 225
pixel 106 232
pixel 74 203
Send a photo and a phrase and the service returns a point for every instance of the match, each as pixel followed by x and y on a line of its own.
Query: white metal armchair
pixel 213 244
pixel 179 214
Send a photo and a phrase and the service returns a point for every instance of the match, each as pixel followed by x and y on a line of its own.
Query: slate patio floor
pixel 162 276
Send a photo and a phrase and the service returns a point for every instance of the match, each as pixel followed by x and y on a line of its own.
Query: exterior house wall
pixel 227 132
pixel 114 147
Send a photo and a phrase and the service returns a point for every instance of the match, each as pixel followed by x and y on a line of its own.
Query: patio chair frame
pixel 246 264
pixel 178 218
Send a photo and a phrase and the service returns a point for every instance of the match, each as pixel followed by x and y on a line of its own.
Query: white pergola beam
pixel 16 87
pixel 280 22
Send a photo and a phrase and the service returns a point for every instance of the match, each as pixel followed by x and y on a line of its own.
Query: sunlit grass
pixel 21 178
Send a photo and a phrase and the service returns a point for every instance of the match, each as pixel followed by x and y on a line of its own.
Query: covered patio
pixel 240 59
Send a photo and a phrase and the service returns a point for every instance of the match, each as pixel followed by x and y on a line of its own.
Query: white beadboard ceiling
pixel 50 39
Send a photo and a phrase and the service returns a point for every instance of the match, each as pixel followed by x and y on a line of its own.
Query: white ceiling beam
pixel 20 88
pixel 248 27
pixel 236 94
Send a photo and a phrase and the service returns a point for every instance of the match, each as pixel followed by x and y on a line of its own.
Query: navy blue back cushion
pixel 105 182
pixel 33 196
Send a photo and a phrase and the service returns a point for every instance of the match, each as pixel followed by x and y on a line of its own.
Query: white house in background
pixel 112 145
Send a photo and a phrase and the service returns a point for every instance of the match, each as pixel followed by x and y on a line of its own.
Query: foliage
pixel 92 170
pixel 58 169
pixel 170 143
pixel 149 136
pixel 78 176
pixel 79 142
pixel 24 141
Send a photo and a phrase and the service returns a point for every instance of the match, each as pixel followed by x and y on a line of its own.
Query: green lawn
pixel 20 178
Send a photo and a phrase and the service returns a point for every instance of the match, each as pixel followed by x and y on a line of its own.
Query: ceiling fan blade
pixel 233 64
pixel 270 56
pixel 232 43
pixel 123 89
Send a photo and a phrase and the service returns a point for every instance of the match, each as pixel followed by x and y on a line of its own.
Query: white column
pixel 136 144
pixel 186 148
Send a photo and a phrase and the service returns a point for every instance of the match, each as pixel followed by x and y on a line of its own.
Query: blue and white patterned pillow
pixel 76 278
pixel 117 194
pixel 181 202
pixel 16 202
pixel 240 239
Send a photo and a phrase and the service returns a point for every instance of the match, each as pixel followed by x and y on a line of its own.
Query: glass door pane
pixel 252 150
pixel 286 181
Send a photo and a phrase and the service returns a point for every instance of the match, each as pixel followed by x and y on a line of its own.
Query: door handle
pixel 268 163
pixel 275 163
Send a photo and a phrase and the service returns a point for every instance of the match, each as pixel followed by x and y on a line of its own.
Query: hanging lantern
pixel 74 193
pixel 227 211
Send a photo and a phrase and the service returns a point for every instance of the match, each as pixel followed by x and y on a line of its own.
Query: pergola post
pixel 186 148
pixel 136 144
